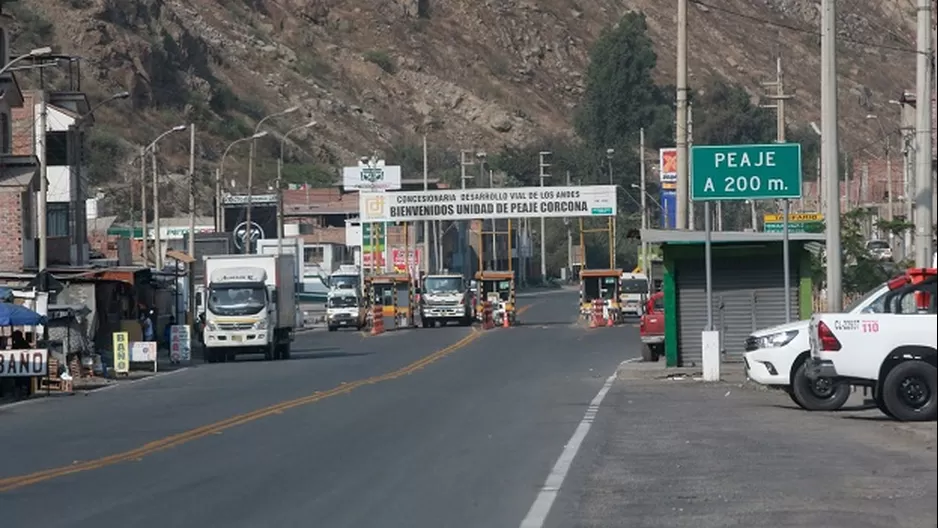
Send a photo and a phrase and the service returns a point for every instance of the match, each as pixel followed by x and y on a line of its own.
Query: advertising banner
pixel 667 165
pixel 519 202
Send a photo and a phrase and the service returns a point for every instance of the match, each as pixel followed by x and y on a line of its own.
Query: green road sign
pixel 745 172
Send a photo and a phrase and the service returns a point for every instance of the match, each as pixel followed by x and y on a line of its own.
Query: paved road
pixel 452 427
pixel 463 440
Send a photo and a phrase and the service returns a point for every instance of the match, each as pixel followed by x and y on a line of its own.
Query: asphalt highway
pixel 452 427
pixel 438 427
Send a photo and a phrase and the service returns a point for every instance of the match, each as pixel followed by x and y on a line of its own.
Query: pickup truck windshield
pixel 237 300
pixel 634 286
pixel 442 285
pixel 343 302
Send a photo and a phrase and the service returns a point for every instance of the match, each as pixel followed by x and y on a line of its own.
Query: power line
pixel 800 29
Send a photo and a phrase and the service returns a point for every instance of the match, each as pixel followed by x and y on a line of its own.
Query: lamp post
pixel 219 175
pixel 248 239
pixel 151 148
pixel 33 54
pixel 283 140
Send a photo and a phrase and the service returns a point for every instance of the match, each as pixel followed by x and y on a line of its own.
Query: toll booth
pixel 748 291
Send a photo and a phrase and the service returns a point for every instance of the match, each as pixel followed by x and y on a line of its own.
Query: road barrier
pixel 487 321
pixel 597 317
pixel 377 319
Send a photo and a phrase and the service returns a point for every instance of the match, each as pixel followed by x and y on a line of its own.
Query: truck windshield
pixel 237 300
pixel 634 286
pixel 343 282
pixel 442 284
pixel 343 302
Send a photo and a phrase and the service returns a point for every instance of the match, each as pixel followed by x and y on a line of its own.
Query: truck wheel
pixel 332 328
pixel 465 321
pixel 649 353
pixel 823 394
pixel 209 355
pixel 285 351
pixel 270 352
pixel 909 391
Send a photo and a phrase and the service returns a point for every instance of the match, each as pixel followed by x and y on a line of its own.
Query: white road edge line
pixel 537 515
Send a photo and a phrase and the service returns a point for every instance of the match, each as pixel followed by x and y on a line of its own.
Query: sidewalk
pixel 730 373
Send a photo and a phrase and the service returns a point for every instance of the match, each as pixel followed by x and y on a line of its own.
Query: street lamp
pixel 609 154
pixel 283 140
pixel 157 240
pixel 33 54
pixel 257 129
pixel 219 174
pixel 887 145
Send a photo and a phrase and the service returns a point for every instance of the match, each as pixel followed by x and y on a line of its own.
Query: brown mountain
pixel 470 74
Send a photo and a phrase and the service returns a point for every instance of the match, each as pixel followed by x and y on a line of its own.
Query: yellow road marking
pixel 11 483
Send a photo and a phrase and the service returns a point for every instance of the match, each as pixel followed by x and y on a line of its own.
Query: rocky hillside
pixel 470 74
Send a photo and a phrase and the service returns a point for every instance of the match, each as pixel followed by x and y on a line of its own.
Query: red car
pixel 651 328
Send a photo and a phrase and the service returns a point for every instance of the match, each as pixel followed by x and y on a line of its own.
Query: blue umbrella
pixel 16 315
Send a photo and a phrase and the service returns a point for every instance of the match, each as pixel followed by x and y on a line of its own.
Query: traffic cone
pixel 505 323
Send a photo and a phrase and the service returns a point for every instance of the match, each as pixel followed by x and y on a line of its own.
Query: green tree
pixel 621 96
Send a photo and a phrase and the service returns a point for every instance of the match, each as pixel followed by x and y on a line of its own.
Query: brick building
pixel 18 176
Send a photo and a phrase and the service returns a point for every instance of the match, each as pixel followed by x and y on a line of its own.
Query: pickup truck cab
pixel 895 353
pixel 651 328
pixel 777 356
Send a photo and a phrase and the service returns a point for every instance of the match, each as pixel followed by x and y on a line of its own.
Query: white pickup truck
pixel 776 357
pixel 895 353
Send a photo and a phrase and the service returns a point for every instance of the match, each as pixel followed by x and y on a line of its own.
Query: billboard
pixel 668 209
pixel 371 176
pixel 518 202
pixel 263 222
pixel 667 166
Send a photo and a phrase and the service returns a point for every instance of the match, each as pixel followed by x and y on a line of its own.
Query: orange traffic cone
pixel 609 320
pixel 505 323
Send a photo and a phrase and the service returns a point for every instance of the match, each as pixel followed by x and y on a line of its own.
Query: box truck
pixel 250 306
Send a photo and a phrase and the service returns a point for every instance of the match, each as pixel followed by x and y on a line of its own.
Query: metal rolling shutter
pixel 748 294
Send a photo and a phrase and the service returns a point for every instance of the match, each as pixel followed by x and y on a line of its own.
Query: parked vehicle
pixel 250 306
pixel 633 293
pixel 444 298
pixel 345 309
pixel 895 353
pixel 776 357
pixel 651 328
pixel 879 249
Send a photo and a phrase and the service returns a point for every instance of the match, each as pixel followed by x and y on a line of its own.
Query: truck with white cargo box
pixel 250 306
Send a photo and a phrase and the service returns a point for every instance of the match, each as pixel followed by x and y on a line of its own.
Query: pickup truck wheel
pixel 910 391
pixel 649 353
pixel 822 394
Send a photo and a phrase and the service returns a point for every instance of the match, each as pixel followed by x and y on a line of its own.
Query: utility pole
pixel 543 164
pixel 190 284
pixel 465 160
pixel 157 239
pixel 494 226
pixel 644 198
pixel 42 150
pixel 683 173
pixel 426 223
pixel 829 143
pixel 144 237
pixel 691 217
pixel 568 223
pixel 908 170
pixel 219 222
pixel 248 229
pixel 780 97
pixel 924 84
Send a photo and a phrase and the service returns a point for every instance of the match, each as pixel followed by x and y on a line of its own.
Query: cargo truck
pixel 250 306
